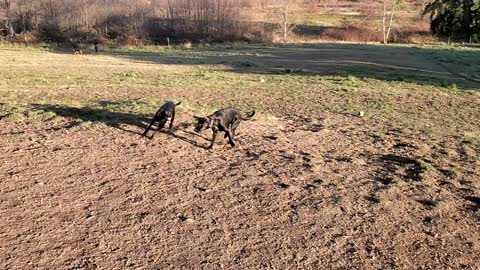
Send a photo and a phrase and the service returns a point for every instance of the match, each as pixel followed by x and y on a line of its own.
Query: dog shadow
pixel 128 122
pixel 174 133
pixel 181 127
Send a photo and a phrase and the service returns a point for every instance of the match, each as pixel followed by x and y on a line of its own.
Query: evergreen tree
pixel 455 18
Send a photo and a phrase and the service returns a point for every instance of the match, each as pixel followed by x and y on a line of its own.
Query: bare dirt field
pixel 311 185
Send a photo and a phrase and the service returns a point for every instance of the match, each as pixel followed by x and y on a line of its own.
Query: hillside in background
pixel 347 20
pixel 145 22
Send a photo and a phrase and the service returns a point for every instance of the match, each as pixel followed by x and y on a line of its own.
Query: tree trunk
pixel 394 4
pixel 285 24
pixel 9 26
pixel 384 21
pixel 386 29
pixel 467 17
pixel 85 9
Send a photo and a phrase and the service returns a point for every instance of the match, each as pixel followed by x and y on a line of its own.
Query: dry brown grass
pixel 352 33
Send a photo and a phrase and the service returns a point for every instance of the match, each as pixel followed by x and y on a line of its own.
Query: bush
pixel 27 38
pixel 115 27
pixel 351 33
pixel 51 32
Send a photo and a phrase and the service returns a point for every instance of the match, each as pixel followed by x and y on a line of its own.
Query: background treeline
pixel 124 21
pixel 153 21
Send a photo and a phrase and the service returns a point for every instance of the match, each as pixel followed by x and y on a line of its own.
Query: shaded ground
pixel 311 184
pixel 426 65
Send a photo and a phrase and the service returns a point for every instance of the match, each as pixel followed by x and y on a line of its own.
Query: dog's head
pixel 202 123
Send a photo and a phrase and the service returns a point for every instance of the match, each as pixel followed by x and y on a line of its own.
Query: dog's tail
pixel 178 103
pixel 249 116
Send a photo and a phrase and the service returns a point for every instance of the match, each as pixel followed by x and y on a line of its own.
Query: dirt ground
pixel 301 193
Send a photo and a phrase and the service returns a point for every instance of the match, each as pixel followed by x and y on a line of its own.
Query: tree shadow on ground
pixel 422 65
pixel 391 167
pixel 95 115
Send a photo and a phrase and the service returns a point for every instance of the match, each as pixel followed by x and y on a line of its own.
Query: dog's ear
pixel 197 117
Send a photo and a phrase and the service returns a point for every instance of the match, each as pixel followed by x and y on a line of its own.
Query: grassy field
pixel 439 96
pixel 311 183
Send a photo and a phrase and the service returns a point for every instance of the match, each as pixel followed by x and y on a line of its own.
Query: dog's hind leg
pixel 161 124
pixel 230 138
pixel 234 128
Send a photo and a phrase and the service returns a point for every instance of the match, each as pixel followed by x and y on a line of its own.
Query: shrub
pixel 51 32
pixel 27 38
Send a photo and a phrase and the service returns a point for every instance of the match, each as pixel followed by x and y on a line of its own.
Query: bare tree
pixel 124 19
pixel 285 8
pixel 204 17
pixel 387 26
pixel 85 13
pixel 5 16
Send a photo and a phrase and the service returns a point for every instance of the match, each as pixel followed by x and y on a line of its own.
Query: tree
pixel 387 26
pixel 285 9
pixel 454 18
pixel 205 18
pixel 5 16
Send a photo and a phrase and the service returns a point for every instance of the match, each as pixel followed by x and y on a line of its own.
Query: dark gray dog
pixel 164 114
pixel 226 120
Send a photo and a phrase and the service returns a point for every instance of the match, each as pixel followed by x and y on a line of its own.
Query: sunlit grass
pixel 139 81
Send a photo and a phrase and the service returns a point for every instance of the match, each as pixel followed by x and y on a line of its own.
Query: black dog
pixel 75 47
pixel 164 114
pixel 226 120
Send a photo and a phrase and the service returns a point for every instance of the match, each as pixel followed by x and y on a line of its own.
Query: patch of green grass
pixel 40 115
pixel 198 109
pixel 14 117
pixel 464 61
pixel 294 71
pixel 20 114
pixel 352 78
pixel 324 19
pixel 304 17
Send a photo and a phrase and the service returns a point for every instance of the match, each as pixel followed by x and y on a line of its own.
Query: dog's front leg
pixel 171 121
pixel 214 136
pixel 226 133
pixel 149 126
